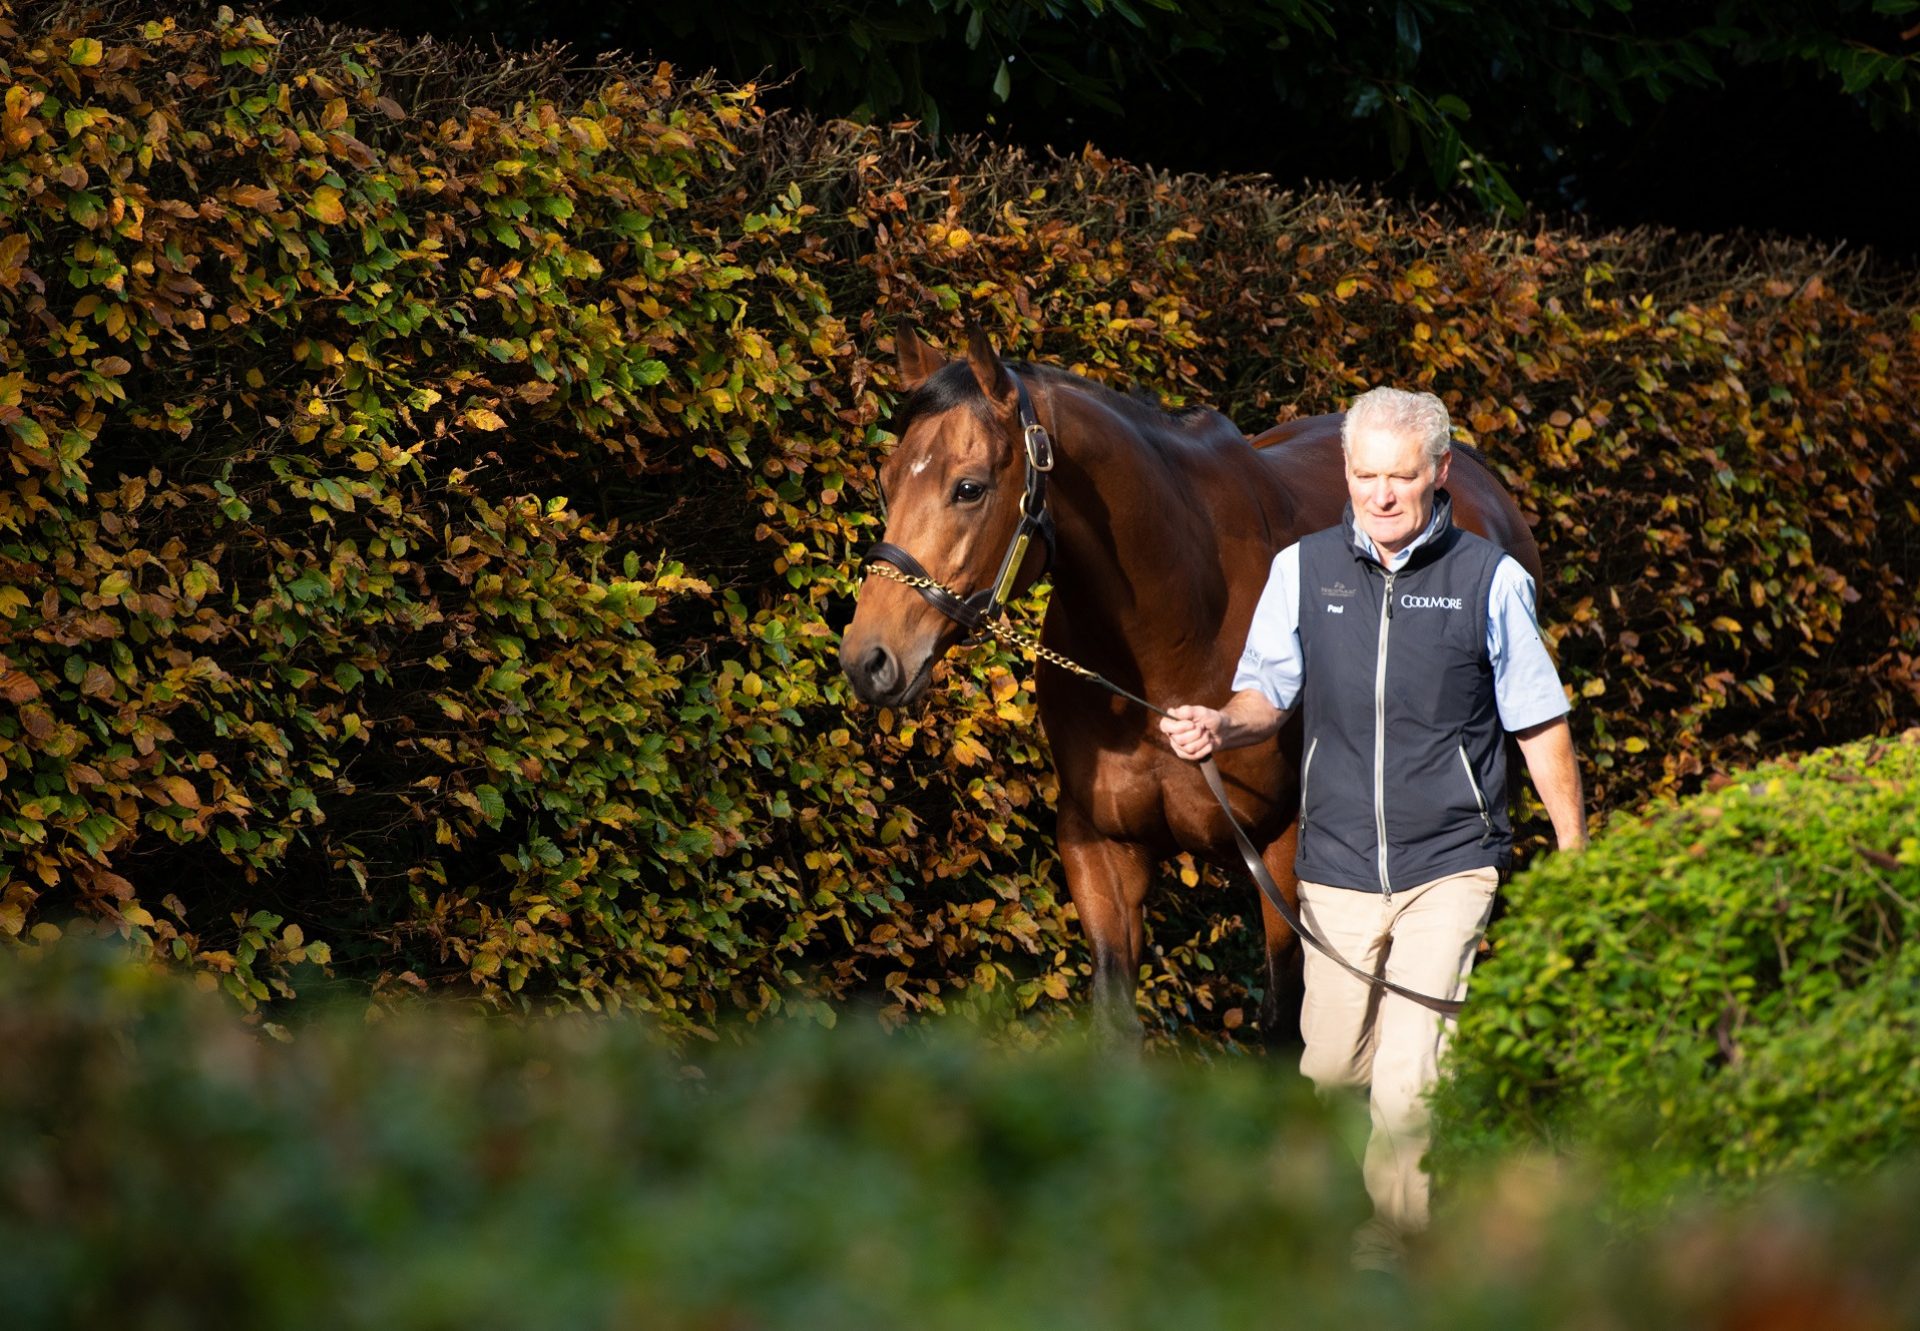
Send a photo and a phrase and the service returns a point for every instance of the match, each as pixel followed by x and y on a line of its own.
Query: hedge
pixel 436 482
pixel 1717 991
pixel 438 1170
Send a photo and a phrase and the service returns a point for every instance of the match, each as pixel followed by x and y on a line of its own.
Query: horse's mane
pixel 953 385
pixel 1473 451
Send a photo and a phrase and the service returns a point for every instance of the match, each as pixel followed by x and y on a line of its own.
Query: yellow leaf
pixel 1726 625
pixel 1635 745
pixel 1593 688
pixel 325 205
pixel 84 51
pixel 480 418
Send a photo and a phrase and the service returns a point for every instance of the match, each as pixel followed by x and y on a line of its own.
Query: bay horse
pixel 1163 527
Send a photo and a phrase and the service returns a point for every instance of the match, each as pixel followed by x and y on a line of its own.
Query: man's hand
pixel 1195 733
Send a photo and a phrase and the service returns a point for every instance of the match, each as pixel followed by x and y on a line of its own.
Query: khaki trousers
pixel 1356 1035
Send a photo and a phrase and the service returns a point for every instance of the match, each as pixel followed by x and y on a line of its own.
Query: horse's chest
pixel 1156 799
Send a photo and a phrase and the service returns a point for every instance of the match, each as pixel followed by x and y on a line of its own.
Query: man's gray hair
pixel 1420 416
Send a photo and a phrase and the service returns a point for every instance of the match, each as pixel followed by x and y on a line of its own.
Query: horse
pixel 1161 528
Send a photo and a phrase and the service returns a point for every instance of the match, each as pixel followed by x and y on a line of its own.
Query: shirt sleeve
pixel 1272 663
pixel 1526 686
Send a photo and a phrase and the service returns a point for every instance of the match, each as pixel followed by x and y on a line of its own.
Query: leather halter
pixel 976 610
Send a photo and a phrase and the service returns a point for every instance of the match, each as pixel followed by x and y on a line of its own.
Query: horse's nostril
pixel 881 669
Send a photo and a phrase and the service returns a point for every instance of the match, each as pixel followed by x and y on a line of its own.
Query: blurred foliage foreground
pixel 434 483
pixel 1718 993
pixel 163 1166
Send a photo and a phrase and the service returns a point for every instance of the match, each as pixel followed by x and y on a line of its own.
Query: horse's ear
pixel 988 372
pixel 918 361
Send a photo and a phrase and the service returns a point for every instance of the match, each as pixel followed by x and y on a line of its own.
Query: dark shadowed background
pixel 1766 115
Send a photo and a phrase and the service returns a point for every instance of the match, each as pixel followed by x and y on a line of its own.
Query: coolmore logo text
pixel 1412 602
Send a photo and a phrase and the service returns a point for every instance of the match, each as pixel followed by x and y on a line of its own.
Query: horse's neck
pixel 1138 561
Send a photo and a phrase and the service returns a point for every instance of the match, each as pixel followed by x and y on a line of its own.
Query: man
pixel 1412 654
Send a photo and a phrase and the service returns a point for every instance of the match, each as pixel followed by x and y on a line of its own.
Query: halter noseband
pixel 976 610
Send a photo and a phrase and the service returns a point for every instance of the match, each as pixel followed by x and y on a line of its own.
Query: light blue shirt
pixel 1526 687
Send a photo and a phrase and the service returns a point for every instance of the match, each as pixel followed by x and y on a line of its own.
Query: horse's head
pixel 953 489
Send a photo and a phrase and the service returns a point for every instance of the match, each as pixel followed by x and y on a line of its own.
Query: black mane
pixel 953 385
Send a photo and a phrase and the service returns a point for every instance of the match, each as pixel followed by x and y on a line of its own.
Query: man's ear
pixel 918 361
pixel 988 372
pixel 1441 468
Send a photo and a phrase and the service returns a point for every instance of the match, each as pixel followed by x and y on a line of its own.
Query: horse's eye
pixel 966 492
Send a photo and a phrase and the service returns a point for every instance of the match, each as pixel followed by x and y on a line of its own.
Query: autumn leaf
pixel 179 790
pixel 325 205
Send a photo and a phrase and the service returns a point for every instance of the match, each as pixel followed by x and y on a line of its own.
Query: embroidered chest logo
pixel 1339 589
pixel 1411 602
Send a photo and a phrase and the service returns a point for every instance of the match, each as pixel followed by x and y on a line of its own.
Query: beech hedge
pixel 435 482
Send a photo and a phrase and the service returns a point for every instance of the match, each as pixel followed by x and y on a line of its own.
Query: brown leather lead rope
pixel 1446 1007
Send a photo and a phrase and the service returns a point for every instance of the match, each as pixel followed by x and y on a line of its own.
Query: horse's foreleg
pixel 1280 1008
pixel 1108 882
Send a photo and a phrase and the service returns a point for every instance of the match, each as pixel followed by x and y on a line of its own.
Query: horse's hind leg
pixel 1280 1007
pixel 1108 882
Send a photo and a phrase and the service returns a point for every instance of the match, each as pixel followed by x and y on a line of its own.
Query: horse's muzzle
pixel 879 677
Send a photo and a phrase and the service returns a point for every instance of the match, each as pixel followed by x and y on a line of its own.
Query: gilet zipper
pixel 1306 771
pixel 1486 819
pixel 1380 737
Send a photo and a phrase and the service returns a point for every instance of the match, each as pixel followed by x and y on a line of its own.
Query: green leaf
pixel 491 803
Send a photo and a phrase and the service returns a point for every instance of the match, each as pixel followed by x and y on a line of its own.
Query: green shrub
pixel 162 1166
pixel 435 485
pixel 1720 989
pixel 439 1170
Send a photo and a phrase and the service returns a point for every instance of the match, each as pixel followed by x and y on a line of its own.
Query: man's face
pixel 1391 483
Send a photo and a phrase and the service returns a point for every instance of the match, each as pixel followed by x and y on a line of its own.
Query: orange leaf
pixel 325 205
pixel 180 791
pixel 113 885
